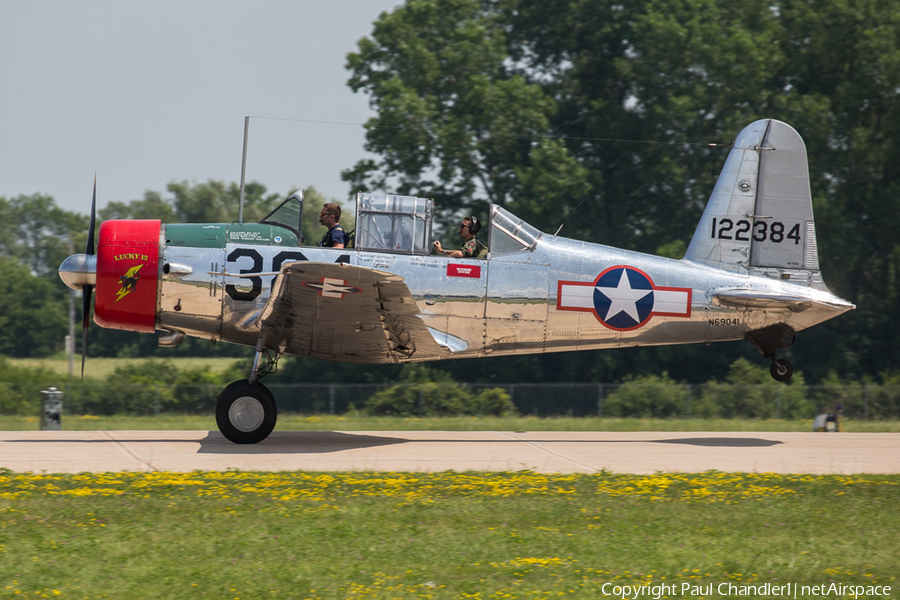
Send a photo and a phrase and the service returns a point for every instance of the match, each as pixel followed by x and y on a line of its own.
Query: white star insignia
pixel 623 298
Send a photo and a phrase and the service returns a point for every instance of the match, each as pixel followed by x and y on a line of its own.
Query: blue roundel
pixel 623 298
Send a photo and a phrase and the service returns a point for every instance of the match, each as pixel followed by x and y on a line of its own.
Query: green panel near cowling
pixel 261 234
pixel 216 235
pixel 194 235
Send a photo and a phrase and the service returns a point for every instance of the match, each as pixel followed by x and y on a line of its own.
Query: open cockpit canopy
pixel 396 224
pixel 403 225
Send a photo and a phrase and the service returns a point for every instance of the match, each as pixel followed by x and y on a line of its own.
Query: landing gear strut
pixel 246 411
pixel 768 341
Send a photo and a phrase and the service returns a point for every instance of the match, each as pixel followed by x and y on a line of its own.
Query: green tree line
pixel 629 107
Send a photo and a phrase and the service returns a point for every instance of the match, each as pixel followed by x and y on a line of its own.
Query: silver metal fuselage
pixel 751 271
pixel 513 303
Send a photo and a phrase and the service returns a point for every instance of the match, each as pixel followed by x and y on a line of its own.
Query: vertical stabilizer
pixel 759 218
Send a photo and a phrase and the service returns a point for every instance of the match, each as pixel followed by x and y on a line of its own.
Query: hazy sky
pixel 146 93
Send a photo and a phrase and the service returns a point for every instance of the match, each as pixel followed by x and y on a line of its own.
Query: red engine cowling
pixel 127 275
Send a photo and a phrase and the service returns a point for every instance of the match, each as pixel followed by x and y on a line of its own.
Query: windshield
pixel 509 233
pixel 288 214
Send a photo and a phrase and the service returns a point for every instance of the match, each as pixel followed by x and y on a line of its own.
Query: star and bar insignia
pixel 623 298
pixel 329 287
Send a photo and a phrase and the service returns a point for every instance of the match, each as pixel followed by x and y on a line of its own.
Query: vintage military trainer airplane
pixel 751 272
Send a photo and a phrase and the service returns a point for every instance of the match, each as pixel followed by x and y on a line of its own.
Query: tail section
pixel 759 218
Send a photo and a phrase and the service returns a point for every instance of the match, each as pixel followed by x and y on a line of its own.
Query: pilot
pixel 472 246
pixel 335 237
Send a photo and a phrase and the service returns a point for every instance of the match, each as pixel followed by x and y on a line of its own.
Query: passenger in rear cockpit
pixel 472 246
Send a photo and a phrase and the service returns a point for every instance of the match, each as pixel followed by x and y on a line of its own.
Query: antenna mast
pixel 567 217
pixel 243 170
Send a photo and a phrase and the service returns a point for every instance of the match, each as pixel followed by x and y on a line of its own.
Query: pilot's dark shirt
pixel 335 235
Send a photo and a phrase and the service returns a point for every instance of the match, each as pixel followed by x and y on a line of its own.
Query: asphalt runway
pixel 541 451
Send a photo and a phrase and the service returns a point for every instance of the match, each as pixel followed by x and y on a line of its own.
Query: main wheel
pixel 245 412
pixel 781 370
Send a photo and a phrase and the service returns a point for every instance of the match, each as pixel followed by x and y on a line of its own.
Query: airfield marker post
pixel 51 409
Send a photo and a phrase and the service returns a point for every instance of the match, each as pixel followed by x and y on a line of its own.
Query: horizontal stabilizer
pixel 775 300
pixel 762 299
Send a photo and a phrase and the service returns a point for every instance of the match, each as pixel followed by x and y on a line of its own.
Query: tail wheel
pixel 246 412
pixel 781 369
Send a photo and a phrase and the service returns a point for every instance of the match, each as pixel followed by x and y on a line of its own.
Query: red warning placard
pixel 458 270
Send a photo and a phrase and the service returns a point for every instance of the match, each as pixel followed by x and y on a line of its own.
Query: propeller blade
pixel 86 293
pixel 88 290
pixel 89 248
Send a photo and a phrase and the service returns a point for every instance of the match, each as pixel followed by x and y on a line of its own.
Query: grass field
pixel 357 422
pixel 237 535
pixel 101 368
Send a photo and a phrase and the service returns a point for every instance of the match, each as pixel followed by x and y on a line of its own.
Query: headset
pixel 474 224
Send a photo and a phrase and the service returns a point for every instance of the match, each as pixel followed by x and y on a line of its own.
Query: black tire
pixel 781 370
pixel 246 412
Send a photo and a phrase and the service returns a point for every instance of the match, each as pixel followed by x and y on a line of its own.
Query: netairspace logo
pixel 787 590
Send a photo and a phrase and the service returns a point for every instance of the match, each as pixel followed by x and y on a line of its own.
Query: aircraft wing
pixel 344 312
